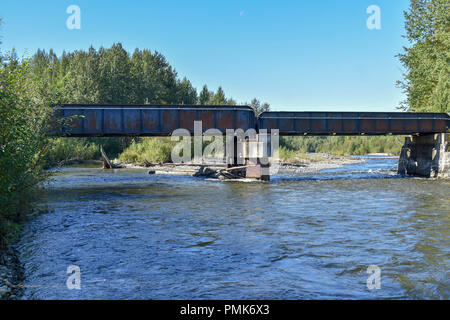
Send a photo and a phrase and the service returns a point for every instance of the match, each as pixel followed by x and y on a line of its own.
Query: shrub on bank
pixel 66 149
pixel 25 118
pixel 339 146
pixel 155 150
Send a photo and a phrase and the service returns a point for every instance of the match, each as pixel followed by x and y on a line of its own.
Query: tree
pixel 205 96
pixel 25 118
pixel 231 102
pixel 427 61
pixel 1 56
pixel 219 98
pixel 186 92
pixel 83 83
pixel 115 77
pixel 258 107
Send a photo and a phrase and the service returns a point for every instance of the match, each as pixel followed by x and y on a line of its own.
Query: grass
pixel 154 150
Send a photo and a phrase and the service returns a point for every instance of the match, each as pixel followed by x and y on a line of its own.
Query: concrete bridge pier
pixel 257 152
pixel 426 156
pixel 250 156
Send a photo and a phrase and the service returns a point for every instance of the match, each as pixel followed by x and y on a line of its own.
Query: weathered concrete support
pixel 251 155
pixel 257 171
pixel 426 156
pixel 256 155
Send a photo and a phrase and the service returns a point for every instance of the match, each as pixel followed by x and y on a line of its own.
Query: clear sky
pixel 296 55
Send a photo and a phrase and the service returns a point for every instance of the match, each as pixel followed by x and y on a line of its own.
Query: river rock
pixel 4 291
pixel 205 172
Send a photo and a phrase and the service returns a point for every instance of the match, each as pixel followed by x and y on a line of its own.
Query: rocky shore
pixel 10 274
pixel 315 163
pixel 312 163
pixel 318 164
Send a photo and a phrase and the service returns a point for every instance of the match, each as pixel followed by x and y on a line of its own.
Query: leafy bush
pixel 155 150
pixel 341 145
pixel 64 149
pixel 25 118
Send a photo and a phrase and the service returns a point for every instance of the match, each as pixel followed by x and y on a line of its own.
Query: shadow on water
pixel 140 236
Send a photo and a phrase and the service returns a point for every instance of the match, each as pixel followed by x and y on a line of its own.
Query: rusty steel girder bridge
pixel 162 120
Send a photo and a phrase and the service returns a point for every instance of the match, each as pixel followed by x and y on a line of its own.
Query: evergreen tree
pixel 205 96
pixel 115 78
pixel 219 98
pixel 231 102
pixel 83 80
pixel 186 92
pixel 258 107
pixel 427 61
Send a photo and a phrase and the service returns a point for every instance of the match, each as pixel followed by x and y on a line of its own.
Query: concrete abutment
pixel 426 156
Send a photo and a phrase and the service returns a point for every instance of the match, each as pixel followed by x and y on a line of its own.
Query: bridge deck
pixel 162 120
pixel 151 120
pixel 354 123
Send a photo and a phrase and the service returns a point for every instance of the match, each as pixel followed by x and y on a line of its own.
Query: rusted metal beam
pixel 162 120
pixel 150 120
pixel 354 123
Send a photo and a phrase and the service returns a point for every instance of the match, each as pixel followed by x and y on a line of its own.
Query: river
pixel 309 236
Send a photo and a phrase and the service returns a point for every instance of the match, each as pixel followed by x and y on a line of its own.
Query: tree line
pixel 113 76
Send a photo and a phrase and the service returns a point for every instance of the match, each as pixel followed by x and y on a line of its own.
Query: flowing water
pixel 140 236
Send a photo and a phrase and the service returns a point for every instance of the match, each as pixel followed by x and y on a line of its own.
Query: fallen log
pixel 234 172
pixel 147 163
pixel 108 164
pixel 238 168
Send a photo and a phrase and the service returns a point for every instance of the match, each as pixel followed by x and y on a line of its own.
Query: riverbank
pixel 11 274
pixel 309 163
pixel 318 162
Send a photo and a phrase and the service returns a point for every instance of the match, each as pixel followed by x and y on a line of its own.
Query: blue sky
pixel 296 55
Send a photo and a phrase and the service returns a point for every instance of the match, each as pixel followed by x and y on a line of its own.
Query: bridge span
pixel 162 120
pixel 426 153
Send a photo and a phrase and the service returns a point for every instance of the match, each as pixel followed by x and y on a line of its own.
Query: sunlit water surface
pixel 140 236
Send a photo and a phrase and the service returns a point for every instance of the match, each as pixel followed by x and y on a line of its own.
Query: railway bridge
pixel 425 152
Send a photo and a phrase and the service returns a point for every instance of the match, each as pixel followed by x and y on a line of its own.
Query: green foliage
pixel 258 107
pixel 293 156
pixel 186 93
pixel 65 149
pixel 25 119
pixel 155 150
pixel 295 146
pixel 219 98
pixel 112 76
pixel 427 61
pixel 205 96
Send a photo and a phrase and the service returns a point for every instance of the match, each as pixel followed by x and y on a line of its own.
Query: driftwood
pixel 108 164
pixel 233 172
pixel 238 168
pixel 205 172
pixel 147 163
pixel 227 173
pixel 170 164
